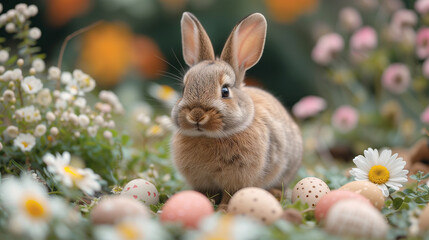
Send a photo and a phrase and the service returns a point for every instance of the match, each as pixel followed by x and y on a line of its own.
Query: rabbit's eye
pixel 225 92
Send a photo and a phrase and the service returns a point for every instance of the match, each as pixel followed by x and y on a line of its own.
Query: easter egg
pixel 187 208
pixel 112 209
pixel 327 201
pixel 424 219
pixel 368 190
pixel 142 190
pixel 355 218
pixel 256 203
pixel 309 190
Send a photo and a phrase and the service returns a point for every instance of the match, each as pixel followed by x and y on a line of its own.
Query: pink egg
pixel 328 200
pixel 187 207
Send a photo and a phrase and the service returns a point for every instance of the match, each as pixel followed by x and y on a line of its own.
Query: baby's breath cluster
pixel 46 110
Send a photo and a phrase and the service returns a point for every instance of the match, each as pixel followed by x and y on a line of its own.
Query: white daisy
pixel 24 141
pixel 44 97
pixel 135 228
pixel 38 65
pixel 385 170
pixel 31 85
pixel 28 114
pixel 84 179
pixel 29 206
pixel 164 93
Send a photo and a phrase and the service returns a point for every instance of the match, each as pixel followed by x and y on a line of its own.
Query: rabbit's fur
pixel 228 142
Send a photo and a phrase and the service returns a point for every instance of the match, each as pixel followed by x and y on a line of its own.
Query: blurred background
pixel 139 40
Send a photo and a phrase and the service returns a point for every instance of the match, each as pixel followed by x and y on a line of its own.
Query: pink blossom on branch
pixel 364 39
pixel 422 6
pixel 422 48
pixel 327 48
pixel 345 118
pixel 349 19
pixel 425 116
pixel 396 78
pixel 308 106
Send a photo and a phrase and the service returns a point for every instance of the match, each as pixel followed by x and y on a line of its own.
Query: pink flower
pixel 327 48
pixel 422 49
pixel 422 6
pixel 349 19
pixel 308 106
pixel 345 118
pixel 396 78
pixel 404 18
pixel 364 39
pixel 425 116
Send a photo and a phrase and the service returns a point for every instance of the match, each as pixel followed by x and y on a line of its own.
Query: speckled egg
pixel 187 208
pixel 424 219
pixel 256 203
pixel 327 201
pixel 114 208
pixel 368 190
pixel 356 219
pixel 142 190
pixel 309 190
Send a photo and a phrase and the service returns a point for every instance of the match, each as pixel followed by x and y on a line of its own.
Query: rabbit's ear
pixel 245 45
pixel 195 42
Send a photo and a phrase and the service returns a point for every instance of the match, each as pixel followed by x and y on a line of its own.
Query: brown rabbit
pixel 231 136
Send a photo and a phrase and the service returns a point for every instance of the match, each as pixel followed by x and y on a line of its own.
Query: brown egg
pixel 368 190
pixel 112 209
pixel 309 190
pixel 424 219
pixel 356 219
pixel 256 203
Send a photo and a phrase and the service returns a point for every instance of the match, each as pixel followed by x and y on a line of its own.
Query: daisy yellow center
pixel 166 92
pixel 72 172
pixel 87 81
pixel 30 87
pixel 34 208
pixel 128 231
pixel 25 144
pixel 378 174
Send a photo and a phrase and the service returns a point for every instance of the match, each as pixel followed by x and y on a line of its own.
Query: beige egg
pixel 114 208
pixel 424 219
pixel 368 190
pixel 356 219
pixel 309 190
pixel 142 190
pixel 256 203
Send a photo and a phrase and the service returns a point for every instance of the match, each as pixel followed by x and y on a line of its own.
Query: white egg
pixel 256 203
pixel 356 219
pixel 142 190
pixel 309 190
pixel 114 208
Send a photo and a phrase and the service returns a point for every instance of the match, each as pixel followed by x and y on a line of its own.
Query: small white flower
pixel 50 116
pixel 10 28
pixel 73 118
pixel 32 10
pixel 60 104
pixel 31 85
pixel 83 120
pixel 385 170
pixel 20 62
pixel 92 131
pixel 4 56
pixel 44 97
pixel 40 130
pixel 131 229
pixel 155 131
pixel 80 102
pixel 165 122
pixel 99 120
pixel 28 114
pixel 39 65
pixel 76 134
pixel 1 7
pixel 66 78
pixel 3 19
pixel 143 119
pixel 21 7
pixel 16 74
pixel 54 73
pixel 12 131
pixel 8 95
pixel 107 134
pixel 35 33
pixel 84 179
pixel 74 89
pixel 54 131
pixel 25 141
pixel 111 98
pixel 30 209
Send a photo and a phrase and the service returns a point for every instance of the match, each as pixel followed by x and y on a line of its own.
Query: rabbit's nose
pixel 197 116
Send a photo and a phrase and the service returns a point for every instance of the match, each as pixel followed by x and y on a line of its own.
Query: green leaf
pixel 397 202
